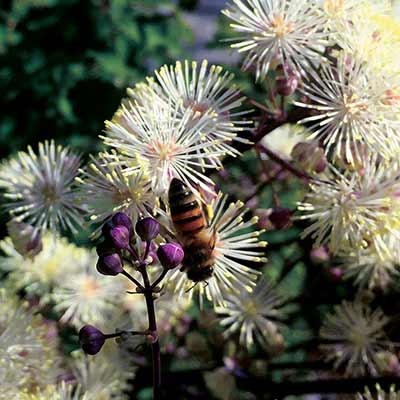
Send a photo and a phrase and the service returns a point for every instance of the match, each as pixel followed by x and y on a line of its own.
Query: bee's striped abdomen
pixel 185 209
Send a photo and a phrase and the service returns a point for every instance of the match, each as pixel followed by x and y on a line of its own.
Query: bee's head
pixel 177 185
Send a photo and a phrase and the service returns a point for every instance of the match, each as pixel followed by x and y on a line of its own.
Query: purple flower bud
pixel 309 156
pixel 280 217
pixel 286 85
pixel 105 247
pixel 120 237
pixel 110 264
pixel 336 274
pixel 170 255
pixel 147 229
pixel 105 230
pixel 122 219
pixel 320 255
pixel 91 339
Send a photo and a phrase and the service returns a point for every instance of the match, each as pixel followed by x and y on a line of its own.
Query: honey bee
pixel 195 237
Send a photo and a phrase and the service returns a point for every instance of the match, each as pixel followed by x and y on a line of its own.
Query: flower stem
pixel 155 345
pixel 159 279
pixel 285 164
pixel 133 280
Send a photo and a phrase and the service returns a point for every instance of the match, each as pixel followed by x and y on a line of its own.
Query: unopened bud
pixel 286 85
pixel 122 219
pixel 105 247
pixel 319 255
pixel 309 156
pixel 263 218
pixel 151 337
pixel 170 255
pixel 336 274
pixel 25 238
pixel 281 217
pixel 120 237
pixel 110 264
pixel 91 339
pixel 106 228
pixel 147 229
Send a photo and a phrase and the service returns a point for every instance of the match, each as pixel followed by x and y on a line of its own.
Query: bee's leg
pixel 191 287
pixel 213 240
pixel 207 212
pixel 205 284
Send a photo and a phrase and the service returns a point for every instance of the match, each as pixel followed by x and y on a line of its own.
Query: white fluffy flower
pixel 380 394
pixel 154 136
pixel 204 91
pixel 61 391
pixel 351 210
pixel 351 107
pixel 356 337
pixel 39 275
pixel 106 188
pixel 28 358
pixel 371 268
pixel 290 32
pixel 86 296
pixel 97 379
pixel 255 315
pixel 39 188
pixel 371 33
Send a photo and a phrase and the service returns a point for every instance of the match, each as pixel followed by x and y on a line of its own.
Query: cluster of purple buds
pixel 118 234
pixel 118 245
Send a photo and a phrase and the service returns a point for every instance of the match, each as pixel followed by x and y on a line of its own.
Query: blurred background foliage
pixel 65 64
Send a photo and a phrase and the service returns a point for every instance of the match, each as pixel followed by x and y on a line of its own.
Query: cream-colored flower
pixel 97 377
pixel 39 188
pixel 205 91
pixel 351 210
pixel 28 356
pixel 356 337
pixel 380 394
pixel 351 106
pixel 106 188
pixel 87 297
pixel 373 269
pixel 39 275
pixel 372 34
pixel 154 135
pixel 256 315
pixel 289 32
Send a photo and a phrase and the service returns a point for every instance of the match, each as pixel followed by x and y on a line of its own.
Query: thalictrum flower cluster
pixel 328 62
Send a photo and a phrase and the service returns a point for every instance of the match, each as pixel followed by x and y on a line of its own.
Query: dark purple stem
pixel 285 164
pixel 133 280
pixel 159 279
pixel 155 344
pixel 118 334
